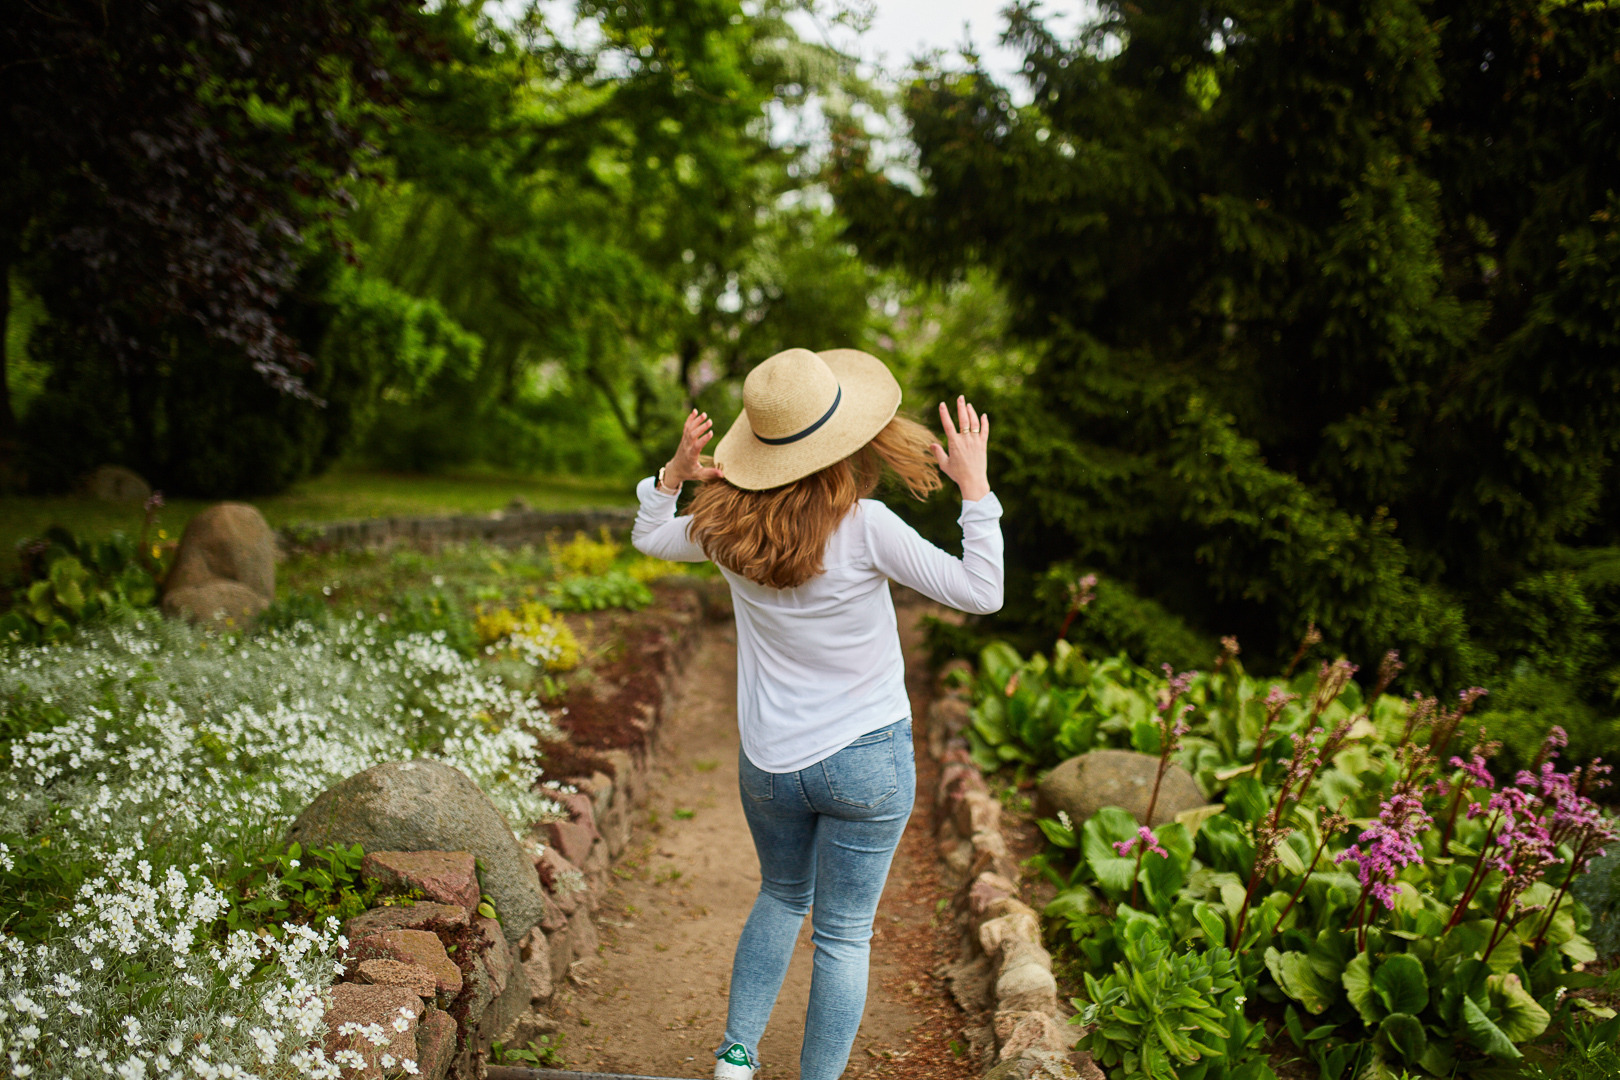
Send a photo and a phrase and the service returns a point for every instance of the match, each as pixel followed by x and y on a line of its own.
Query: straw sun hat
pixel 803 411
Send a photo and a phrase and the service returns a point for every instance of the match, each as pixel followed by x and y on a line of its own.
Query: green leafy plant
pixel 1415 914
pixel 544 1051
pixel 1168 1015
pixel 65 580
pixel 299 885
pixel 614 589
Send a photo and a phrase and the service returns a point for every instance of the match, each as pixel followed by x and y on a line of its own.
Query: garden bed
pixel 1360 895
pixel 154 918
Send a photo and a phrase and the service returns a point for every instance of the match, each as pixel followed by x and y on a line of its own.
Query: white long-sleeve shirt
pixel 820 665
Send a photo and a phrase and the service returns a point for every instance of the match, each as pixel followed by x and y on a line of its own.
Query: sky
pixel 903 29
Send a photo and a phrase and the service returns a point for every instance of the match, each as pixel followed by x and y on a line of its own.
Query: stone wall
pixel 510 528
pixel 437 982
pixel 1004 973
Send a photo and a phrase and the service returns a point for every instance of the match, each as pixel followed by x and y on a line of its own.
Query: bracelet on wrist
pixel 659 483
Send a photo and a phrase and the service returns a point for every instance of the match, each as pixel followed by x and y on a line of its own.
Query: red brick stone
pixel 406 917
pixel 435 1044
pixel 373 1008
pixel 581 810
pixel 447 877
pixel 413 977
pixel 411 947
pixel 572 839
pixel 986 890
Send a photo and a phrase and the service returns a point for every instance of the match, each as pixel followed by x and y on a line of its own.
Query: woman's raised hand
pixel 962 458
pixel 686 464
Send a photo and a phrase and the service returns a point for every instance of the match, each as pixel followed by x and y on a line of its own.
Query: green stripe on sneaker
pixel 736 1054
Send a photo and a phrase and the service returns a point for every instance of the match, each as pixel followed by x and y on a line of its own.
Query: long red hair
pixel 778 537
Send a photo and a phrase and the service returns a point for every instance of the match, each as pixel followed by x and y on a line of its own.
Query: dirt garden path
pixel 678 898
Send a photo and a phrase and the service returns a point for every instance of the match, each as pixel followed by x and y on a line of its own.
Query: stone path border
pixel 444 978
pixel 508 527
pixel 1004 972
pixel 580 851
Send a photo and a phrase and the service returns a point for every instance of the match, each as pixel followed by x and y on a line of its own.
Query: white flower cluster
pixel 134 988
pixel 153 750
pixel 539 646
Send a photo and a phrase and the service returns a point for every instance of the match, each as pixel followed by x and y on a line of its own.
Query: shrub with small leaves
pixel 1164 1015
pixel 529 632
pixel 65 581
pixel 585 557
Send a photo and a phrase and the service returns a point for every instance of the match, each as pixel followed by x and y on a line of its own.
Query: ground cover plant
pixel 1366 884
pixel 146 899
pixel 152 771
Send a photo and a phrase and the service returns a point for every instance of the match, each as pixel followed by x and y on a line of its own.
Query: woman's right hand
pixel 963 457
pixel 687 464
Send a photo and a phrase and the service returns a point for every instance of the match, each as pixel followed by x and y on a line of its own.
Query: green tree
pixel 165 163
pixel 1322 298
pixel 617 223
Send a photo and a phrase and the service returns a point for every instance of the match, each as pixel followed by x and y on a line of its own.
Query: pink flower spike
pixel 1124 847
pixel 1151 842
pixel 1476 771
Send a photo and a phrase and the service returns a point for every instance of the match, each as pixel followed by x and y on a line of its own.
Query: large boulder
pixel 224 568
pixel 1124 778
pixel 428 806
pixel 114 483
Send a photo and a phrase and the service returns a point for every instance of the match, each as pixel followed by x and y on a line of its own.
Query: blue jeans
pixel 825 836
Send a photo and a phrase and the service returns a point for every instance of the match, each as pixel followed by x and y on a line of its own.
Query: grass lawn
pixel 337 495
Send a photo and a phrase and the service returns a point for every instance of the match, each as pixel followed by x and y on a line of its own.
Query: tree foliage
pixel 166 161
pixel 618 221
pixel 1322 301
pixel 535 242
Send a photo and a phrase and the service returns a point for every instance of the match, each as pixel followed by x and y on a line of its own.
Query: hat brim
pixel 871 397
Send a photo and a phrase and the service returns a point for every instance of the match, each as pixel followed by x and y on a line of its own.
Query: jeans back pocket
pixel 864 773
pixel 755 782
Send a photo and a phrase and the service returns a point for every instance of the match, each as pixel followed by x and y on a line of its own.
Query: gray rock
pixel 226 562
pixel 1083 785
pixel 219 603
pixel 428 806
pixel 1025 982
pixel 114 483
pixel 1046 1065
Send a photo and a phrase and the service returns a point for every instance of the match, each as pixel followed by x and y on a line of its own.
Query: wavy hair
pixel 778 537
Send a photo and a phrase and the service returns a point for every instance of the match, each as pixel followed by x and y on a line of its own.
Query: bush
pixel 65 581
pixel 530 633
pixel 614 589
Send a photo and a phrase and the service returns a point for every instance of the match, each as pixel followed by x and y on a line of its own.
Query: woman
pixel 826 766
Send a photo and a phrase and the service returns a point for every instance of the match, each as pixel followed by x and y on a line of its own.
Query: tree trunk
pixel 8 418
pixel 10 446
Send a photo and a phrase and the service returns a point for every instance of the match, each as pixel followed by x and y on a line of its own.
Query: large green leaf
pixel 1484 1034
pixel 998 661
pixel 1357 980
pixel 1301 980
pixel 1224 843
pixel 1104 829
pixel 1246 800
pixel 1057 833
pixel 1163 876
pixel 1516 1013
pixel 1401 985
pixel 1403 1033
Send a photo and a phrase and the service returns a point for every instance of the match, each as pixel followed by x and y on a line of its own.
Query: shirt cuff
pixel 647 492
pixel 985 509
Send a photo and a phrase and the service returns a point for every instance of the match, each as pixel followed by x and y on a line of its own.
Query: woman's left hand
pixel 963 457
pixel 687 463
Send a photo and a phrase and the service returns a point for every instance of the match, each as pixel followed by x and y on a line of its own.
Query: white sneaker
pixel 733 1064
